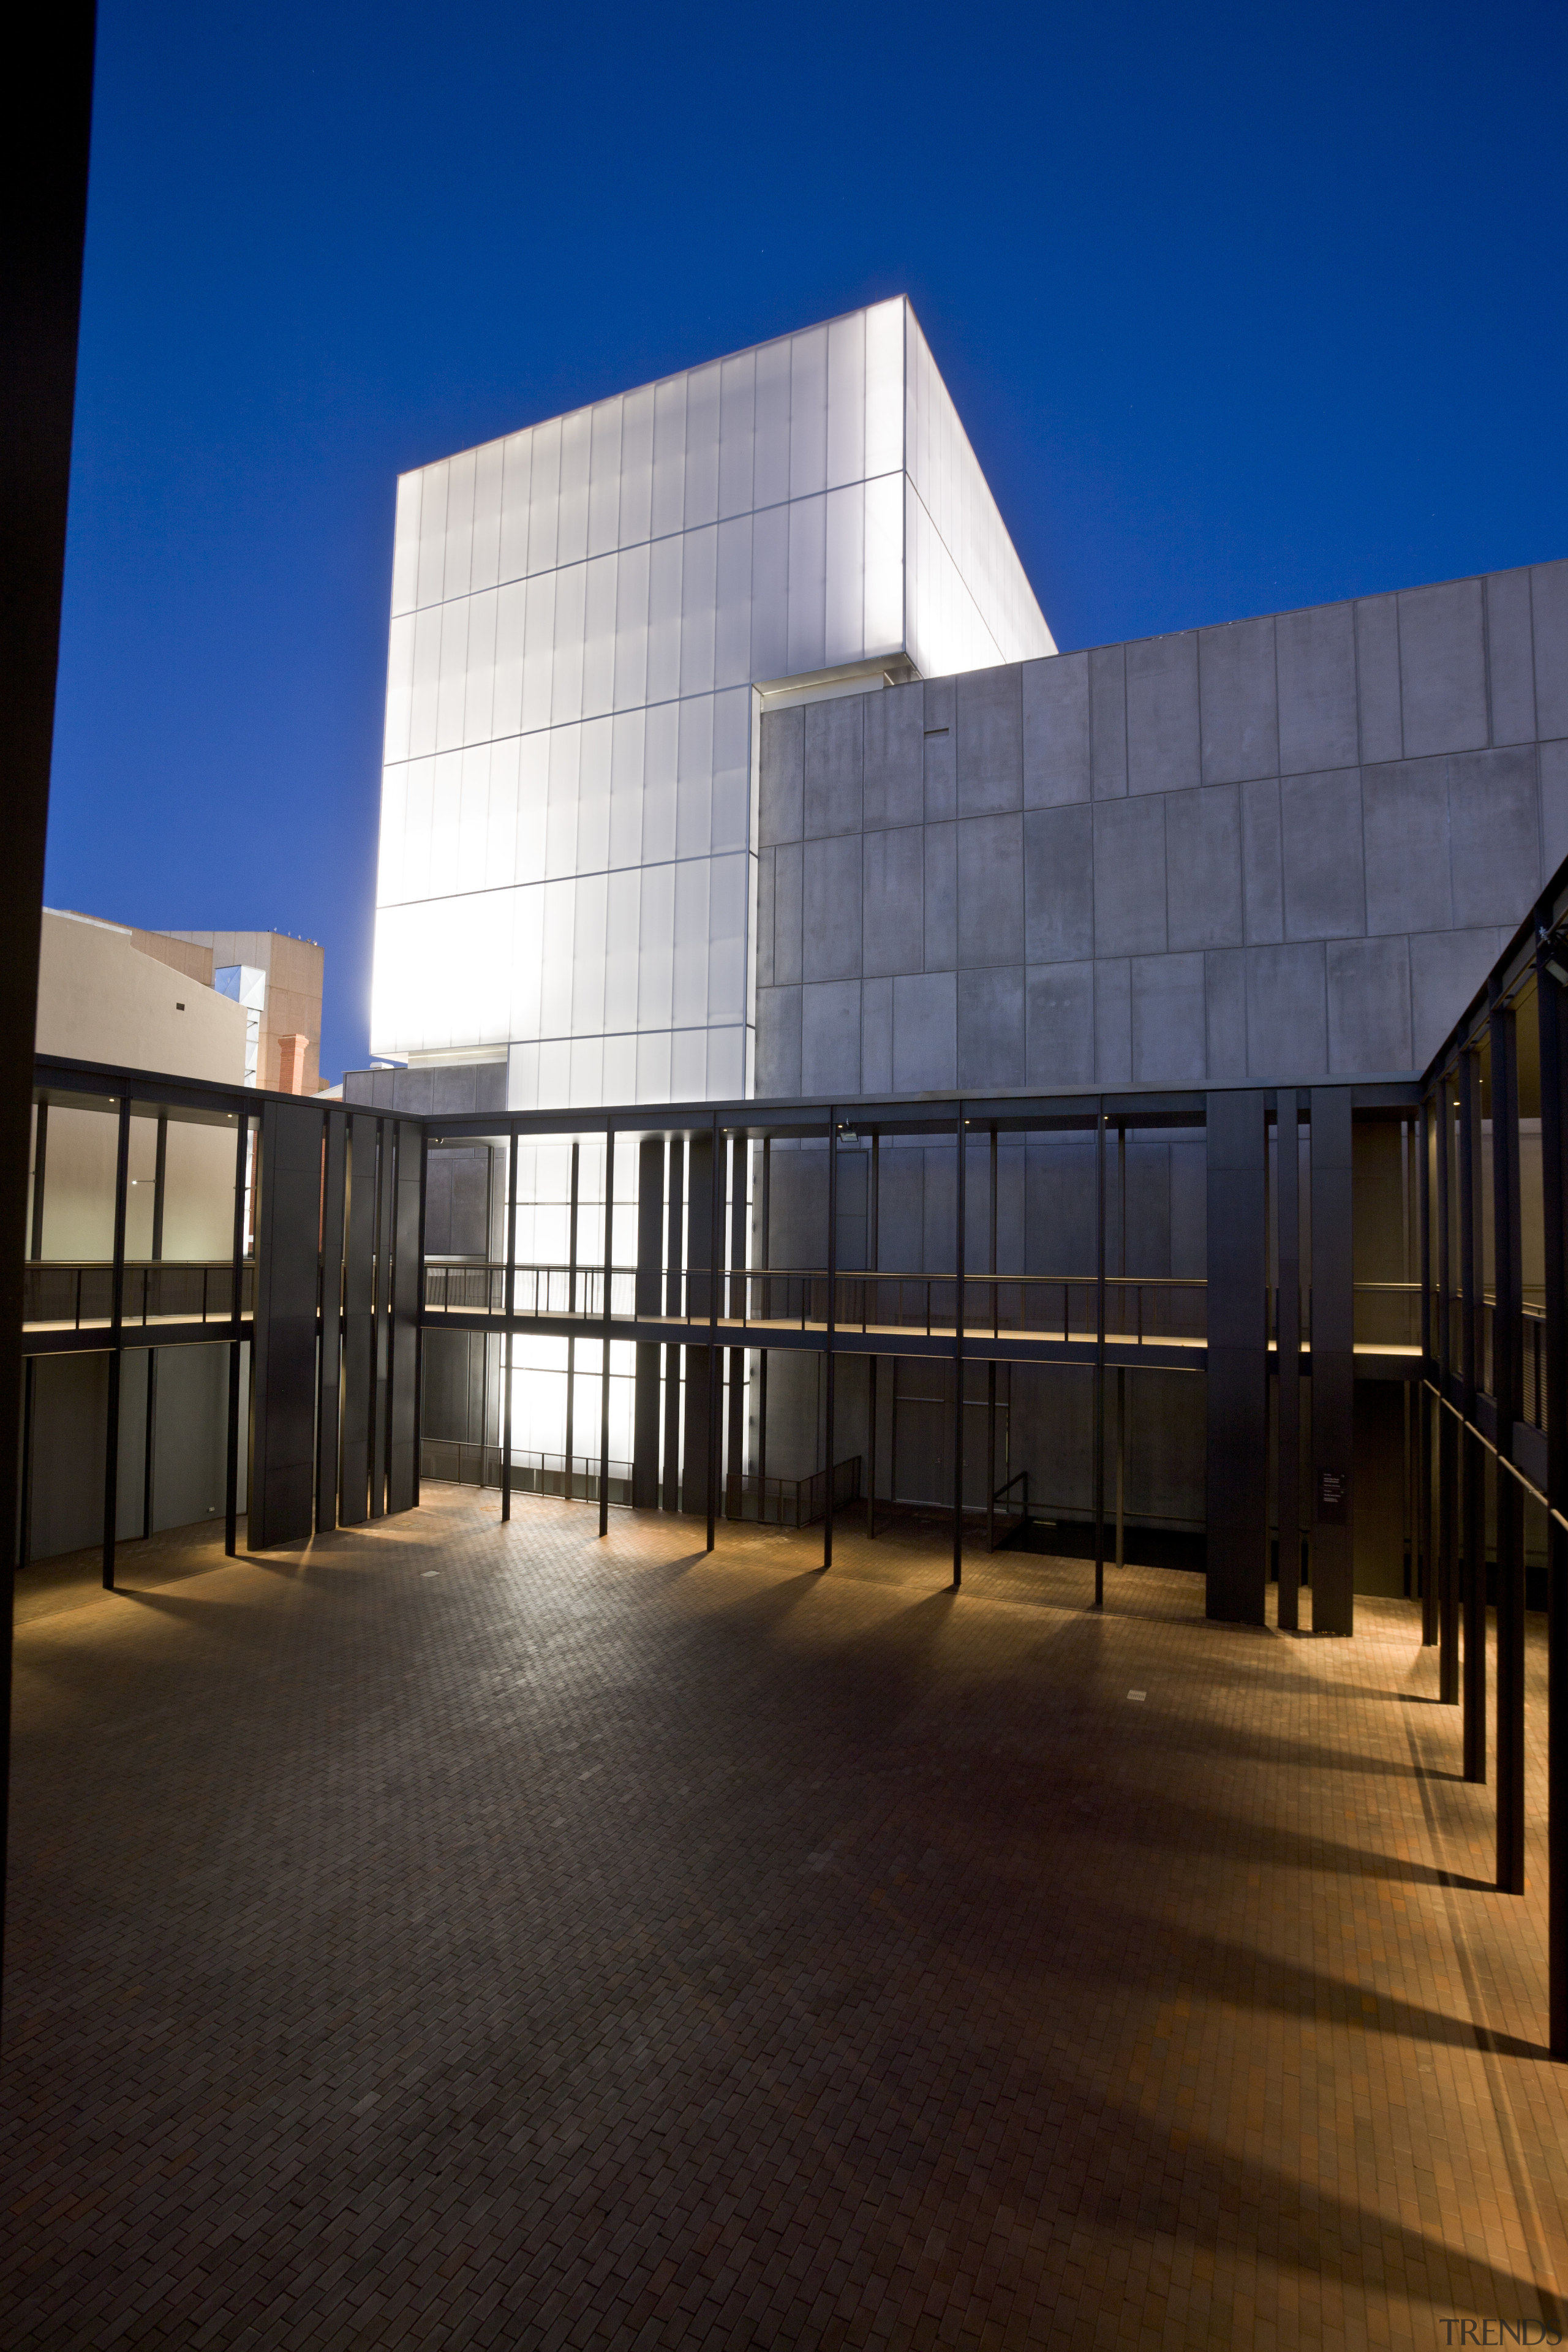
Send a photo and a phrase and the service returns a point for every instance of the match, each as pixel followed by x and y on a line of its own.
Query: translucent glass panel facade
pixel 580 614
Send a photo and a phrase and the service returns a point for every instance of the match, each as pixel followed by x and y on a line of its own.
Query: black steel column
pixel 403 1325
pixel 991 1372
pixel 1447 1427
pixel 40 1161
pixel 735 1443
pixel 1508 1382
pixel 1474 1493
pixel 647 1303
pixel 381 1418
pixel 696 1420
pixel 674 1305
pixel 1550 1012
pixel 873 1257
pixel 1237 1268
pixel 715 1280
pixel 160 1171
pixel 359 1322
pixel 830 1414
pixel 1287 1358
pixel 1333 1364
pixel 236 1302
pixel 509 1297
pixel 45 226
pixel 1425 1129
pixel 329 1369
pixel 572 1310
pixel 283 1357
pixel 604 1359
pixel 958 1355
pixel 1100 1358
pixel 116 1320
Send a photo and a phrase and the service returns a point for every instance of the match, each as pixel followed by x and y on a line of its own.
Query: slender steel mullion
pixel 830 1399
pixel 1473 1479
pixel 1508 1312
pixel 116 1322
pixel 40 1161
pixel 1100 1358
pixel 231 1489
pixel 1550 1014
pixel 506 1344
pixel 715 1273
pixel 963 1130
pixel 605 1361
pixel 1287 1358
pixel 1425 1130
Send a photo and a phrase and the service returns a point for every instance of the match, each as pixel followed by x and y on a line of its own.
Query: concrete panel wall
pixel 1287 849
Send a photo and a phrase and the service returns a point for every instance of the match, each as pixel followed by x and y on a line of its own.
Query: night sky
pixel 1243 309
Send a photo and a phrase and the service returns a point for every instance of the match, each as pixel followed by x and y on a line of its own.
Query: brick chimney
pixel 291 1064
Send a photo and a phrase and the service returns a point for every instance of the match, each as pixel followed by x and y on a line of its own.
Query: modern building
pixel 589 619
pixel 851 1056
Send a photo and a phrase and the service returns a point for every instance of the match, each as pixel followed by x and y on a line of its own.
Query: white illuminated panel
pixel 580 614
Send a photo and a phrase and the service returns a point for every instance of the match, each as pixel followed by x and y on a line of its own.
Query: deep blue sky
pixel 1242 308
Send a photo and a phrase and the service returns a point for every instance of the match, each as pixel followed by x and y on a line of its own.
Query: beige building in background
pixel 290 1043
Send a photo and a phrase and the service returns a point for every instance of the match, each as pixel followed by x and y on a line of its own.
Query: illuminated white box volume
pixel 584 617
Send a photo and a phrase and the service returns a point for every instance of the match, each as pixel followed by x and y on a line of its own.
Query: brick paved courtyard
pixel 455 1935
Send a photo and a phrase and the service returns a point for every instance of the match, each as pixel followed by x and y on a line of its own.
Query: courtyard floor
pixel 447 1934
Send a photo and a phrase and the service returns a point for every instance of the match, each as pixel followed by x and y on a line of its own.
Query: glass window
pixel 538 651
pixel 479 697
pixel 599 636
pixel 628 731
pixel 737 401
pixel 694 778
pixel 588 943
pixel 668 455
pixel 689 998
pixel 885 387
pixel 484 565
pixel 733 603
pixel 506 709
pixel 688 1066
pixel 846 400
pixel 532 805
pixel 399 687
pixel 516 469
pixel 564 756
pixel 699 586
pixel 637 467
pixel 652 1067
pixel 884 506
pixel 631 628
pixel 593 797
pixel 663 619
pixel 622 910
pixel 661 746
pixel 426 678
pixel 655 950
pixel 807 583
pixel 605 477
pixel 770 446
pixel 405 544
pixel 432 533
pixel 577 432
pixel 566 673
pixel 456 569
pixel 500 844
pixel 544 497
pixel 769 593
pixel 701 499
pixel 844 582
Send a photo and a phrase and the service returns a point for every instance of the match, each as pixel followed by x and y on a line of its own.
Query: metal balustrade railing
pixel 1138 1307
pixel 57 1297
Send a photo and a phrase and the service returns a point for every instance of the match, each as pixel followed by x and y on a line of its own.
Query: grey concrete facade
pixel 1285 848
